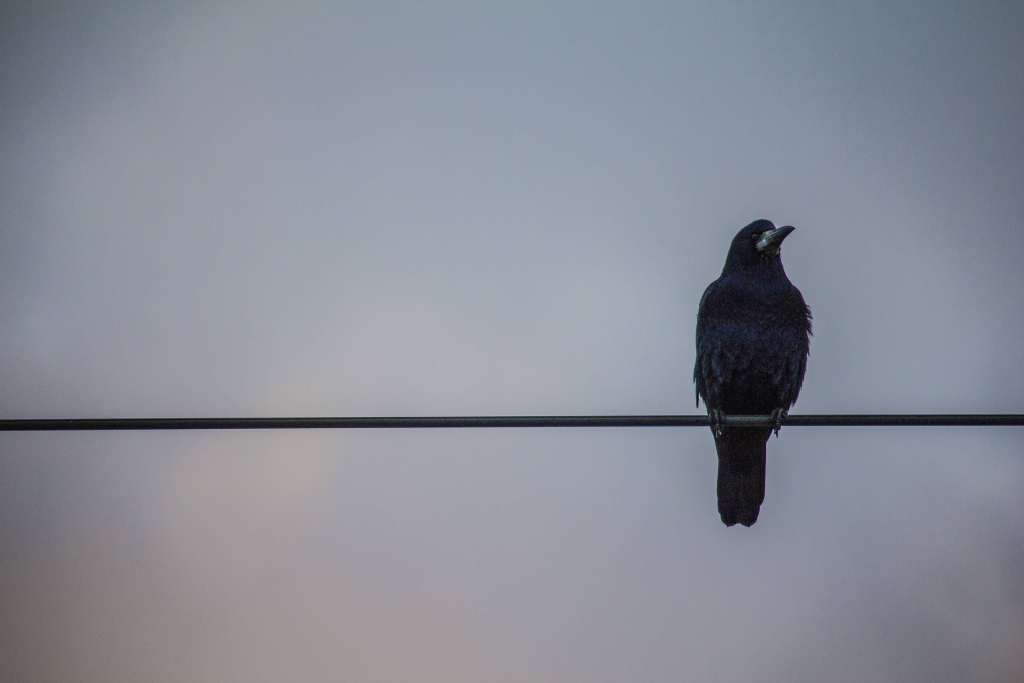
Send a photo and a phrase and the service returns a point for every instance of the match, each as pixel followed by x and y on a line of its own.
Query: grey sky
pixel 390 208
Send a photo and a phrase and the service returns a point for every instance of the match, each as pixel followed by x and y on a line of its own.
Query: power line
pixel 521 421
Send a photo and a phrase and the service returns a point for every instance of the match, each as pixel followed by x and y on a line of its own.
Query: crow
pixel 753 337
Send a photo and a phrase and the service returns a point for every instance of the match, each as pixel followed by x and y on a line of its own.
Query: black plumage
pixel 753 337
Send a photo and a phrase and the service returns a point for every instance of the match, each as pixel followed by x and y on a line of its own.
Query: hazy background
pixel 232 209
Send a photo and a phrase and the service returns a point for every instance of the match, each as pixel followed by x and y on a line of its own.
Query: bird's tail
pixel 741 460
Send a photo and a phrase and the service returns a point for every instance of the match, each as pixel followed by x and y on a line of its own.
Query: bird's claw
pixel 778 418
pixel 716 418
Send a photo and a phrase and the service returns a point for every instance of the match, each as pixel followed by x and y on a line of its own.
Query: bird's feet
pixel 716 418
pixel 778 417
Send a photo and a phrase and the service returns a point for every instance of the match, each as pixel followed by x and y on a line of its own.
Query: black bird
pixel 753 337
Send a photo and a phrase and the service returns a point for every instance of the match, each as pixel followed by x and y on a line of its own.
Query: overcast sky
pixel 233 209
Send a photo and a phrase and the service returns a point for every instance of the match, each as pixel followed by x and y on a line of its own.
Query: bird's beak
pixel 771 240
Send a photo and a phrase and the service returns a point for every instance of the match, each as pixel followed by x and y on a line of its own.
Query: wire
pixel 157 423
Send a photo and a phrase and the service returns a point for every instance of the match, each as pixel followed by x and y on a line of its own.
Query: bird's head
pixel 756 244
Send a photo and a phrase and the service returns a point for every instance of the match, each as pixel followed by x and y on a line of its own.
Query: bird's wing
pixel 790 364
pixel 704 375
pixel 793 365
